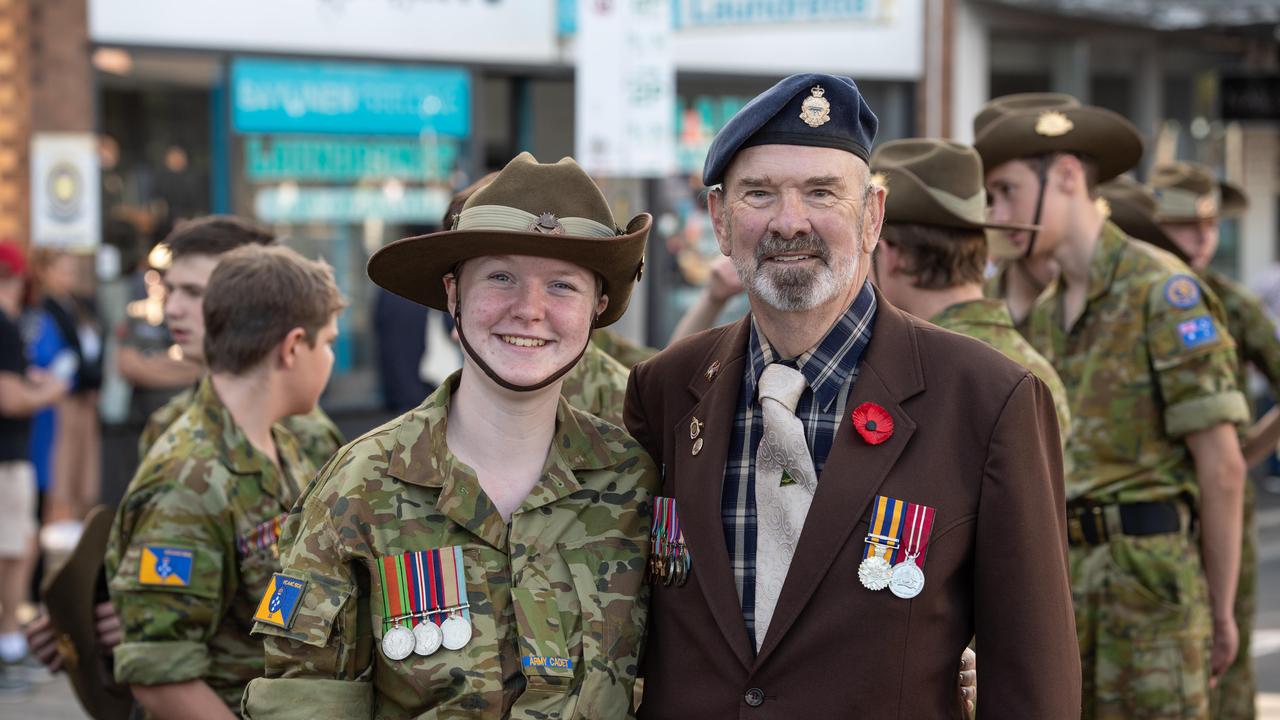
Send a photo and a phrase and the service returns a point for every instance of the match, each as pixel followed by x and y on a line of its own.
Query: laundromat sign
pixel 285 96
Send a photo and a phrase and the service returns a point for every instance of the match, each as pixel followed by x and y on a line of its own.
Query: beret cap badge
pixel 1052 123
pixel 547 224
pixel 815 111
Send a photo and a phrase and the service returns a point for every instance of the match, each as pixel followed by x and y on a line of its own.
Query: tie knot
pixel 783 384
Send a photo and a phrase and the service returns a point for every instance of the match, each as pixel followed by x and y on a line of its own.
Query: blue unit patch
pixel 165 566
pixel 1182 291
pixel 280 602
pixel 1197 331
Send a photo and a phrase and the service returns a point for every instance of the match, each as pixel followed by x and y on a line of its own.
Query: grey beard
pixel 794 289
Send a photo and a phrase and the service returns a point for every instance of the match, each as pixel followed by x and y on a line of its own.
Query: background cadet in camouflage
pixel 193 545
pixel 549 506
pixel 195 247
pixel 563 579
pixel 1188 206
pixel 1129 372
pixel 620 348
pixel 933 251
pixel 318 437
pixel 597 385
pixel 988 320
pixel 206 489
pixel 1149 370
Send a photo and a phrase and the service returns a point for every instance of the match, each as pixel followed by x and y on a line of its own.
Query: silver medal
pixel 398 643
pixel 875 573
pixel 456 631
pixel 907 580
pixel 428 637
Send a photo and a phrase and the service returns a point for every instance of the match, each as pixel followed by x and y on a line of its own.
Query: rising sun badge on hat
pixel 1052 123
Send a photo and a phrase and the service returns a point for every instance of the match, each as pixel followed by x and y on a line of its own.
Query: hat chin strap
pixel 493 375
pixel 1043 175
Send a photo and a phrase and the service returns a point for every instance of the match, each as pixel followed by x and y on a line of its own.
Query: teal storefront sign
pixel 292 96
pixel 325 158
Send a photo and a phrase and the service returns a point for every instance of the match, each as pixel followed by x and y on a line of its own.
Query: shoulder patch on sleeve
pixel 1182 291
pixel 1197 331
pixel 166 566
pixel 280 602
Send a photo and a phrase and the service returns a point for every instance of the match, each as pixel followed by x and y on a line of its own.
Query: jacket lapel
pixel 890 373
pixel 699 479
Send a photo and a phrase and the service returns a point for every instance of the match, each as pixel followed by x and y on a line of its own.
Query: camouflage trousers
pixel 1144 626
pixel 1235 697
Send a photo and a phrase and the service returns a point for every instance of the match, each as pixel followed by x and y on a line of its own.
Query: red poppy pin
pixel 873 423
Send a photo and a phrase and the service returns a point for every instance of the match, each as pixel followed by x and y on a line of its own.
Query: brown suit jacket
pixel 975 436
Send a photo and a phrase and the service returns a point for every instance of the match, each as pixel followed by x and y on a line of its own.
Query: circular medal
pixel 456 631
pixel 428 637
pixel 907 580
pixel 398 643
pixel 874 572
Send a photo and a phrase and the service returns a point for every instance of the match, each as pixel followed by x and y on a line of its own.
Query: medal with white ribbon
pixel 907 577
pixel 882 541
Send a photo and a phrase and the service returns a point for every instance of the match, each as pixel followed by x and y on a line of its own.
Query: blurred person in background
pixel 723 285
pixel 68 323
pixel 23 391
pixel 1190 202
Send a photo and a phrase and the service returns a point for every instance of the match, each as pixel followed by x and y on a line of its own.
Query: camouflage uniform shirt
pixel 206 494
pixel 620 348
pixel 1146 363
pixel 597 385
pixel 988 320
pixel 1251 326
pixel 316 434
pixel 563 579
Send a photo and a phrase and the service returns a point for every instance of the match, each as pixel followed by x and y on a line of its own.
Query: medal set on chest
pixel 895 547
pixel 424 602
pixel 265 536
pixel 668 557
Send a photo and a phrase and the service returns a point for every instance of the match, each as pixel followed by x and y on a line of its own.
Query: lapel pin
pixel 695 428
pixel 697 446
pixel 713 371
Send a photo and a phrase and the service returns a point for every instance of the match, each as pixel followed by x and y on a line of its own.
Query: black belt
pixel 1087 524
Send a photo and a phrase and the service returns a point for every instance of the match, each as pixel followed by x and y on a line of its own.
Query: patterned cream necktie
pixel 785 483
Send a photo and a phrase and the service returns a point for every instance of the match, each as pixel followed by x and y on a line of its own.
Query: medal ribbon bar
pixel 885 534
pixel 919 525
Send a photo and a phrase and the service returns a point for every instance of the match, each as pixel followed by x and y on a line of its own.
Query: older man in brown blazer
pixel 850 494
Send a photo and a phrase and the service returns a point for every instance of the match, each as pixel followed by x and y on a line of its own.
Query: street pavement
pixel 54 700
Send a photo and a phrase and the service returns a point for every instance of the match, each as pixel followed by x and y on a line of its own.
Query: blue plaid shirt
pixel 830 370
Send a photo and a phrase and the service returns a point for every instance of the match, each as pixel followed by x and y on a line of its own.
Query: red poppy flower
pixel 873 423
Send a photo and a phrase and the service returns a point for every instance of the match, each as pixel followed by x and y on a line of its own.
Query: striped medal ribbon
pixel 884 537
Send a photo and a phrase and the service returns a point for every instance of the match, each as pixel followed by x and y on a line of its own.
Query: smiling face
pixel 799 224
pixel 526 317
pixel 184 285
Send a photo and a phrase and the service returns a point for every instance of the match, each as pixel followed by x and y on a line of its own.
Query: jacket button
pixel 754 697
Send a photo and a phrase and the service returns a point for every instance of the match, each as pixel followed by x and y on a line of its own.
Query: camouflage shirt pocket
pixel 608 575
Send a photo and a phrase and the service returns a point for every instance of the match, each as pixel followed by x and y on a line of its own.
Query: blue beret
pixel 810 109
